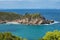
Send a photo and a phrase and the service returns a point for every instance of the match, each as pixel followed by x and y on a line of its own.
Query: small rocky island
pixel 27 18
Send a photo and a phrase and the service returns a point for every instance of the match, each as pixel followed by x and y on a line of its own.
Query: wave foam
pixel 44 24
pixel 12 23
pixel 52 23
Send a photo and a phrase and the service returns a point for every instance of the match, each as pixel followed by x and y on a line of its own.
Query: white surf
pixel 52 23
pixel 12 23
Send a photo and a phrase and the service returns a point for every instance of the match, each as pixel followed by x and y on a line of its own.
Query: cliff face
pixel 35 18
pixel 36 21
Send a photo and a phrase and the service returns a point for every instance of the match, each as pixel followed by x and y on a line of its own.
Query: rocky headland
pixel 27 18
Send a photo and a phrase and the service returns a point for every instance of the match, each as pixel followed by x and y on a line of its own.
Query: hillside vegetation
pixel 13 16
pixel 9 16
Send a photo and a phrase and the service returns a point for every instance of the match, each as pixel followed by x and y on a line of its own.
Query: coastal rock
pixel 46 21
pixel 2 22
pixel 52 21
pixel 36 21
pixel 34 18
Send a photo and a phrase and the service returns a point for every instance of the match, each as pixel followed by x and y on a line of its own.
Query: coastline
pixel 12 23
pixel 34 18
pixel 16 23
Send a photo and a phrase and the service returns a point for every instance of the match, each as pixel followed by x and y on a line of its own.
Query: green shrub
pixel 9 36
pixel 55 35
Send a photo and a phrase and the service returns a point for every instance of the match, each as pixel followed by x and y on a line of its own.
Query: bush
pixel 55 35
pixel 9 36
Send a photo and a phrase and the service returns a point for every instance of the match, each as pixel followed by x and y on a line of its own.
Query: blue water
pixel 32 32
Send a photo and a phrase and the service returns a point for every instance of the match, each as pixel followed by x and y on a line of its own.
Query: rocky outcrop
pixel 31 21
pixel 2 22
pixel 36 21
pixel 47 21
pixel 34 18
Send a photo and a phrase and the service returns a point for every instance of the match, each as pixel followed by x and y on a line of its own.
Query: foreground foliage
pixel 9 36
pixel 55 35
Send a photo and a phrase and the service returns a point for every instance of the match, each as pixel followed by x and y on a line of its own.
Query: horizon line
pixel 30 8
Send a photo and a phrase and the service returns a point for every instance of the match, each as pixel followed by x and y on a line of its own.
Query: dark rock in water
pixel 2 22
pixel 47 21
pixel 44 22
pixel 51 21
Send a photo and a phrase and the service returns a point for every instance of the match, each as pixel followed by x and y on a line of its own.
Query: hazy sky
pixel 28 4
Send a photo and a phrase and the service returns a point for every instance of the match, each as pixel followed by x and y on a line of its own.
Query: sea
pixel 32 32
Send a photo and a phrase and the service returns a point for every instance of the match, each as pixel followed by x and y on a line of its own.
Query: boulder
pixel 51 21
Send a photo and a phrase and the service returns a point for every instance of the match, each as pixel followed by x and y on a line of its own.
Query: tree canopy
pixel 55 35
pixel 9 36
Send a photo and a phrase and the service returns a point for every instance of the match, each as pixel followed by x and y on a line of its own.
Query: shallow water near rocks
pixel 31 32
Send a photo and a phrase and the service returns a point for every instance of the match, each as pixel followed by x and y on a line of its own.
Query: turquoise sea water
pixel 33 32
